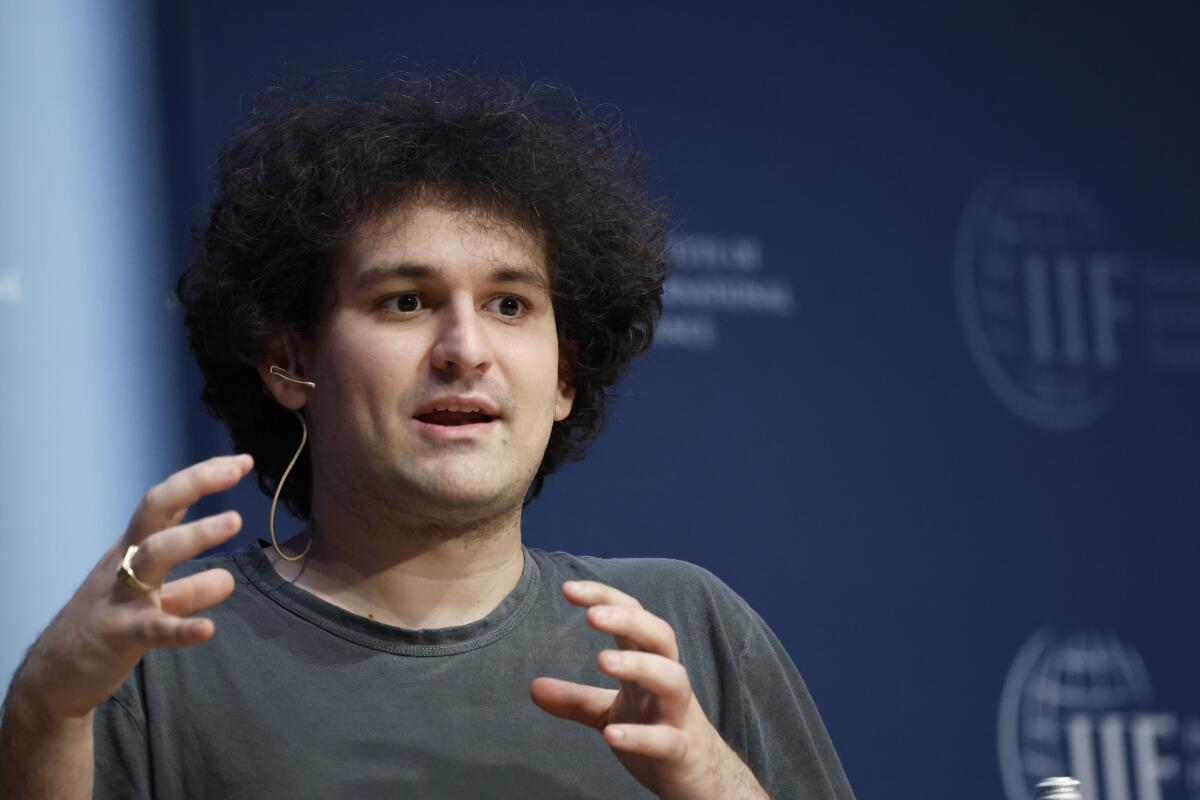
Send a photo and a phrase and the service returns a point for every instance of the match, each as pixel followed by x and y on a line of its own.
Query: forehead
pixel 453 240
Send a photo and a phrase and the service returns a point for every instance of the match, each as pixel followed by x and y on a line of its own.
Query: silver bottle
pixel 1059 789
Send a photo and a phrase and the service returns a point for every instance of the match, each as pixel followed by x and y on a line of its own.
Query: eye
pixel 405 303
pixel 509 306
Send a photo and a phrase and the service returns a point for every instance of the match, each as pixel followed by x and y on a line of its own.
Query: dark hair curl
pixel 313 164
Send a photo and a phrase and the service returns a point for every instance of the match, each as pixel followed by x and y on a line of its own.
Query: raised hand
pixel 653 723
pixel 90 647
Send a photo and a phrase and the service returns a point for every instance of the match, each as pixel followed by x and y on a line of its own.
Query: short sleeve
pixel 786 744
pixel 122 755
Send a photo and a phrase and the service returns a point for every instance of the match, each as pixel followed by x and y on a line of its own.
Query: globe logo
pixel 1080 705
pixel 1041 300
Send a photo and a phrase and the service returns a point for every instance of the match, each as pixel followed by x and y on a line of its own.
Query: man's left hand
pixel 653 723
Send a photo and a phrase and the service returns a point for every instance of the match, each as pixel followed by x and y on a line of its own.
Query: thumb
pixel 587 705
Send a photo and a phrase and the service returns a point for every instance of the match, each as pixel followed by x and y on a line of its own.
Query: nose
pixel 462 343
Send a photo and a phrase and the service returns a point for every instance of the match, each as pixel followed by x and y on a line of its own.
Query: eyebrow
pixel 385 272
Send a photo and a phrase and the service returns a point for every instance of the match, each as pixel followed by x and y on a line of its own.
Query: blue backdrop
pixel 926 388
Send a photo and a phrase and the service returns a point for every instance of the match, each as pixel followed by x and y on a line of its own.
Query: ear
pixel 568 356
pixel 284 351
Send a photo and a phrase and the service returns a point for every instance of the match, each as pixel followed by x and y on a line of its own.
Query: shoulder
pixel 682 592
pixel 224 559
pixel 653 575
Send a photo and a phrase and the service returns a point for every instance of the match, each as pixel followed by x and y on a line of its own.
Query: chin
pixel 466 489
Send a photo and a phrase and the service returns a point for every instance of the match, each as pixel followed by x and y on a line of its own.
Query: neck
pixel 408 571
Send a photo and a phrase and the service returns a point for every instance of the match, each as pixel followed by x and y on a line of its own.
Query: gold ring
pixel 125 573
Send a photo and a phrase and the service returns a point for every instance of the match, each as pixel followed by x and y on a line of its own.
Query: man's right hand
pixel 94 642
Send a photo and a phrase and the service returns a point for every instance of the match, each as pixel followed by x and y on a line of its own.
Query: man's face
pixel 437 311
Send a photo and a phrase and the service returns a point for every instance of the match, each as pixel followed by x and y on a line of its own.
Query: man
pixel 437 282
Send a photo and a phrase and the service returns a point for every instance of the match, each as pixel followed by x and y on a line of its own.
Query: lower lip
pixel 455 433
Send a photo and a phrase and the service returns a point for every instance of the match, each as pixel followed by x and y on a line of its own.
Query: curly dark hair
pixel 313 164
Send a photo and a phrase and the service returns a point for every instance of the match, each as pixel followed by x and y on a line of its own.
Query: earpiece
pixel 282 373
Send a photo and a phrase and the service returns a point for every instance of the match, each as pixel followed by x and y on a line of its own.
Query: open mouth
pixel 454 418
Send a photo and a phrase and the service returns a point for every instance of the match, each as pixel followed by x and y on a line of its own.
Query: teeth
pixel 458 408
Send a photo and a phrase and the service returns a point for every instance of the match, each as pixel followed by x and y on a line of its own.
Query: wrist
pixel 723 775
pixel 26 710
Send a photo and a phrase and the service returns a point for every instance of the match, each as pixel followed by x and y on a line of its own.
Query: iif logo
pixel 1082 705
pixel 1073 309
pixel 1044 301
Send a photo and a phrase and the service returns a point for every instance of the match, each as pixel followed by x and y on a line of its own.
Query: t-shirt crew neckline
pixel 252 561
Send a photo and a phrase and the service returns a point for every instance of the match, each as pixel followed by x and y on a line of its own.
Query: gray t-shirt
pixel 297 698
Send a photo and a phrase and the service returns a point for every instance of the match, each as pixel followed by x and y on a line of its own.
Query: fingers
pixel 153 628
pixel 166 503
pixel 574 701
pixel 662 677
pixel 647 662
pixel 590 593
pixel 138 628
pixel 161 551
pixel 655 741
pixel 635 629
pixel 196 593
